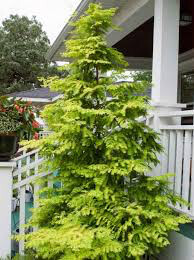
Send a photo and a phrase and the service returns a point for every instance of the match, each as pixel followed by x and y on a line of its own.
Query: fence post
pixel 6 169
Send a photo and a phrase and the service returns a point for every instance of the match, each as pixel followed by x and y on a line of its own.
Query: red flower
pixel 35 124
pixel 19 109
pixel 36 136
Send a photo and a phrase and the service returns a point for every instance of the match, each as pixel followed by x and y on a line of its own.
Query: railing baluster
pixel 179 162
pixel 165 144
pixel 186 167
pixel 36 198
pixel 19 170
pixel 22 217
pixel 36 163
pixel 172 156
pixel 28 166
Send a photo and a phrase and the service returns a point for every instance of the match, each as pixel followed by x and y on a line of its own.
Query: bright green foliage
pixel 107 208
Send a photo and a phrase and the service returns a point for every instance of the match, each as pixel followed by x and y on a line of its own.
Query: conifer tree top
pixel 88 48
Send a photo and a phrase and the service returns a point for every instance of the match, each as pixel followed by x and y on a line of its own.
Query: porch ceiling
pixel 139 43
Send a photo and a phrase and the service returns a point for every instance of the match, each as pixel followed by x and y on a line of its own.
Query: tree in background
pixel 141 76
pixel 107 207
pixel 23 47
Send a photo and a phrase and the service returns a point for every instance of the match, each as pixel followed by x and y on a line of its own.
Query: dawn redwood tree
pixel 23 47
pixel 107 207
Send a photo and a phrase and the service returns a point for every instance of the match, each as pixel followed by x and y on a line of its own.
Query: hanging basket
pixel 8 145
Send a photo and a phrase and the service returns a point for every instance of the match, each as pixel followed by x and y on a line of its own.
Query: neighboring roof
pixel 37 95
pixel 57 47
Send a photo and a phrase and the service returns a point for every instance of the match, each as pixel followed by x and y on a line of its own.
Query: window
pixel 187 88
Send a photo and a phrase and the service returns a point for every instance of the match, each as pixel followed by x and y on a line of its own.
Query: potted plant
pixel 17 122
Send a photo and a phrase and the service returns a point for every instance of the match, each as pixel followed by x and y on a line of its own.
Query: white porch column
pixel 6 169
pixel 165 51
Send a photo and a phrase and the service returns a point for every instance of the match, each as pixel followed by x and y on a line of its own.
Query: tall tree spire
pixel 107 207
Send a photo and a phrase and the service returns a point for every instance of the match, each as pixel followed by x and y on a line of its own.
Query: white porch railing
pixel 177 158
pixel 27 171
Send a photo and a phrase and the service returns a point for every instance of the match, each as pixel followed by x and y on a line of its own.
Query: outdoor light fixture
pixel 185 19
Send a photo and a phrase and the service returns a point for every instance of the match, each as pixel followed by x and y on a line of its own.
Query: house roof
pixel 37 95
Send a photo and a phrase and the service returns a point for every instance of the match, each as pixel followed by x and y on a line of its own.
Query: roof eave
pixel 66 29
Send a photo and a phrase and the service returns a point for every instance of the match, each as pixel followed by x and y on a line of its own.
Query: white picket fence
pixel 178 158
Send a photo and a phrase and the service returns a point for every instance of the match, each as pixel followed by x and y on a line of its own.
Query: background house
pixel 38 96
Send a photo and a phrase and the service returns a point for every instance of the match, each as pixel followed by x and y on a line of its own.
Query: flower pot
pixel 8 145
